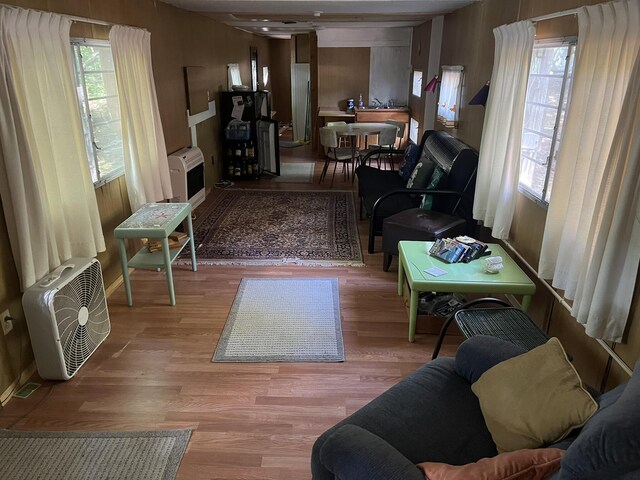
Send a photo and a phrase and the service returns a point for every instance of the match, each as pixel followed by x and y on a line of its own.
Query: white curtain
pixel 145 154
pixel 47 195
pixel 590 246
pixel 499 157
pixel 450 90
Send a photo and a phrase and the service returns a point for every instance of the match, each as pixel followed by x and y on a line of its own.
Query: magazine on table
pixel 452 250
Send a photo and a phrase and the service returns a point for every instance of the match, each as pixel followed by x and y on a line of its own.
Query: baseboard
pixel 24 376
pixel 116 284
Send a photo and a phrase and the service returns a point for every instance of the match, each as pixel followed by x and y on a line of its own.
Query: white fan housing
pixel 67 317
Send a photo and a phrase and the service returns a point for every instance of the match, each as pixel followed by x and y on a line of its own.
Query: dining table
pixel 359 129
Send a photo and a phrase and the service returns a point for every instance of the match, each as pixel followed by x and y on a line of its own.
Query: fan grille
pixel 81 299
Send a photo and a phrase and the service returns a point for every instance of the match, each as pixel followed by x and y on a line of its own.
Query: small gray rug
pixel 288 144
pixel 283 320
pixel 153 455
pixel 295 173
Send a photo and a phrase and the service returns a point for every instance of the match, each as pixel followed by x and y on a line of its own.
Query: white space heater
pixel 67 317
pixel 186 168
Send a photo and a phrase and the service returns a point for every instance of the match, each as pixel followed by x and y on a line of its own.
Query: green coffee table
pixel 460 277
pixel 155 220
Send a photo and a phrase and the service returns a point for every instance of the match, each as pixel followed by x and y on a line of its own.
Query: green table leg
pixel 192 243
pixel 526 302
pixel 167 266
pixel 413 314
pixel 125 270
pixel 400 274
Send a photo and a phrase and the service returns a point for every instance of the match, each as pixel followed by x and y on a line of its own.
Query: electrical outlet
pixel 7 321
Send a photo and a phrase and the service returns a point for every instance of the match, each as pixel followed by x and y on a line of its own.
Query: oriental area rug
pixel 271 227
pixel 153 455
pixel 283 320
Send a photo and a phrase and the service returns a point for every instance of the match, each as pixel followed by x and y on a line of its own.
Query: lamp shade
pixel 480 98
pixel 432 85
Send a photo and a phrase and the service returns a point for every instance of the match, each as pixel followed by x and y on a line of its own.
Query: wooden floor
pixel 249 421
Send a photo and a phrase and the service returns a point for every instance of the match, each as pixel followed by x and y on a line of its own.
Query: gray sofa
pixel 432 415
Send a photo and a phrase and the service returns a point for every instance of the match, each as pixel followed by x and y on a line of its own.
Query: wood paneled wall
pixel 468 40
pixel 178 38
pixel 280 83
pixel 420 61
pixel 343 73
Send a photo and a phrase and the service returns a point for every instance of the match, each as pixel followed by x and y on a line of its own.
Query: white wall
pixel 364 37
pixel 389 73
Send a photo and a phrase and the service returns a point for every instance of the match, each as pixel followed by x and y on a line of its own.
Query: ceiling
pixel 283 18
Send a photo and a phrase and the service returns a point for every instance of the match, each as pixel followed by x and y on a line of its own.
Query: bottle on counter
pixel 360 102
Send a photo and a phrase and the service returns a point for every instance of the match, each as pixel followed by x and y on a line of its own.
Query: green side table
pixel 460 277
pixel 155 220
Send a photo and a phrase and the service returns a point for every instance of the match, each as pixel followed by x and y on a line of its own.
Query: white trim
pixel 193 120
pixel 614 356
pixel 433 69
pixel 16 384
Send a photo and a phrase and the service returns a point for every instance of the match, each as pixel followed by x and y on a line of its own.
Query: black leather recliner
pixel 383 194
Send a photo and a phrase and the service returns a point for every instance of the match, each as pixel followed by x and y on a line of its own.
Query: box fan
pixel 67 317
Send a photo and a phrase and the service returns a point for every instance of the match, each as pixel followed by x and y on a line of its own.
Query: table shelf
pixel 156 221
pixel 155 260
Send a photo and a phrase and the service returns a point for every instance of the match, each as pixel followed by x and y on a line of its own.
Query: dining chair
pixel 343 142
pixel 386 143
pixel 329 140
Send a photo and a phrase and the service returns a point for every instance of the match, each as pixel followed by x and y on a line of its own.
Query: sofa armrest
pixel 412 191
pixel 353 453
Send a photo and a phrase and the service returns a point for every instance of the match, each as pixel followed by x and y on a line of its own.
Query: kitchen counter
pixel 383 109
pixel 327 112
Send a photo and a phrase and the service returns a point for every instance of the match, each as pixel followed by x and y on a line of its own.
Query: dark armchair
pixel 384 193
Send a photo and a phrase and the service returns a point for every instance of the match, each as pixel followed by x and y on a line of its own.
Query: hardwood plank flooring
pixel 250 421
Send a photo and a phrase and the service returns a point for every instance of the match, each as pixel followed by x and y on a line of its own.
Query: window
pixel 99 108
pixel 417 83
pixel 253 53
pixel 233 75
pixel 548 91
pixel 414 126
pixel 265 76
pixel 449 99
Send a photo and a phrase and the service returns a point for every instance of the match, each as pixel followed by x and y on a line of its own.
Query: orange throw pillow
pixel 532 464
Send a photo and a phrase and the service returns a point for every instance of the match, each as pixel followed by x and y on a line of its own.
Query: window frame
pixel 419 85
pixel 458 93
pixel 85 112
pixel 571 43
pixel 414 130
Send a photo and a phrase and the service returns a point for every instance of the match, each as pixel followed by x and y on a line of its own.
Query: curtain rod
pixel 564 13
pixel 87 20
pixel 73 18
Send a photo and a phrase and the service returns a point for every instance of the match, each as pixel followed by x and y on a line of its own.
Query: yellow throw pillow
pixel 533 399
